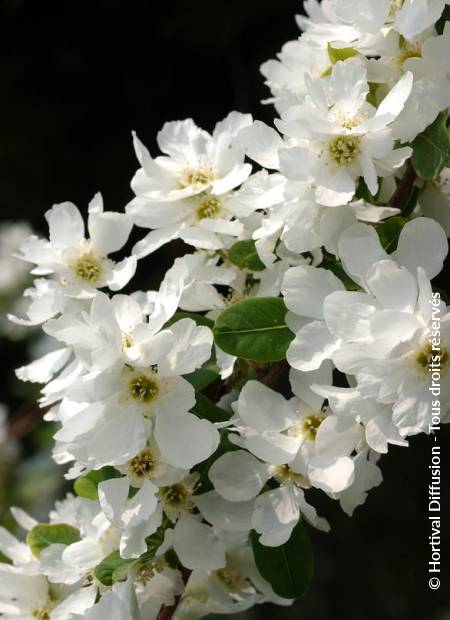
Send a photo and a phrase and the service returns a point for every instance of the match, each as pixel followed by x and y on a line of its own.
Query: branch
pixel 403 192
pixel 167 611
pixel 274 374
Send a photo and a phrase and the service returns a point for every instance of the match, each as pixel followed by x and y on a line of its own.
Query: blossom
pixel 341 136
pixel 188 191
pixel 78 267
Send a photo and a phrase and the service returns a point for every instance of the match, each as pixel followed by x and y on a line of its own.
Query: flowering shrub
pixel 286 352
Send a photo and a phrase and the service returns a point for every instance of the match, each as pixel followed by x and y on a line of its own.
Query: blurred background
pixel 75 79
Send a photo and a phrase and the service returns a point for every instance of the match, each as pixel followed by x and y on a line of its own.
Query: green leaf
pixel 201 378
pixel 200 319
pixel 244 255
pixel 445 17
pixel 389 232
pixel 112 568
pixel 289 568
pixel 332 264
pixel 87 486
pixel 254 329
pixel 206 409
pixel 44 535
pixel 431 149
pixel 340 53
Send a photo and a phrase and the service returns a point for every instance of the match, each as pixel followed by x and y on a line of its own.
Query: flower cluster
pixel 287 352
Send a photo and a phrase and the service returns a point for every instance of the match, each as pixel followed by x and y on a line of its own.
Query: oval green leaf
pixel 254 329
pixel 431 149
pixel 112 568
pixel 289 568
pixel 43 535
pixel 243 254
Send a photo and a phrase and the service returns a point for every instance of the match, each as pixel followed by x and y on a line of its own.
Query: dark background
pixel 75 79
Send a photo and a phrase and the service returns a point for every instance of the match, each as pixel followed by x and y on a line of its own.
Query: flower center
pixel 347 121
pixel 143 388
pixel 283 473
pixel 310 426
pixel 411 51
pixel 143 464
pixel 344 149
pixel 232 578
pixel 147 571
pixel 42 614
pixel 424 359
pixel 197 176
pixel 88 268
pixel 208 208
pixel 127 341
pixel 176 495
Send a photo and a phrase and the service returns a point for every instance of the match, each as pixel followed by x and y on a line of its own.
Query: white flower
pixel 341 136
pixel 81 266
pixel 381 335
pixel 408 17
pixel 431 89
pixel 187 192
pixel 135 518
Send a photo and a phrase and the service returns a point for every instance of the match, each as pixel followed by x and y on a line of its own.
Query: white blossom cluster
pixel 173 483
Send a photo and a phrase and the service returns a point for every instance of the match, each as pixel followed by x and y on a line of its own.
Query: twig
pixel 167 611
pixel 403 192
pixel 274 373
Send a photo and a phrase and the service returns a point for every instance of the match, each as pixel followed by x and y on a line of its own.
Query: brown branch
pixel 274 374
pixel 167 611
pixel 403 191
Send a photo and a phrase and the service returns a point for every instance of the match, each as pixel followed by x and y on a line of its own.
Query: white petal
pixel 112 495
pixel 264 409
pixel 43 369
pixel 238 476
pixel 261 143
pixel 225 515
pixel 312 345
pixel 276 514
pixel 359 249
pixel 274 447
pixel 331 475
pixel 422 243
pixel 305 289
pixel 184 439
pixel 122 273
pixel 393 286
pixel 197 546
pixel 109 231
pixel 156 239
pixel 192 347
pixel 301 383
pixel 66 225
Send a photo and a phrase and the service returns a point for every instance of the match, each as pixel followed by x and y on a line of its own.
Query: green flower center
pixel 231 578
pixel 208 208
pixel 88 268
pixel 143 388
pixel 424 358
pixel 344 149
pixel 143 464
pixel 310 426
pixel 175 495
pixel 198 176
pixel 42 614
